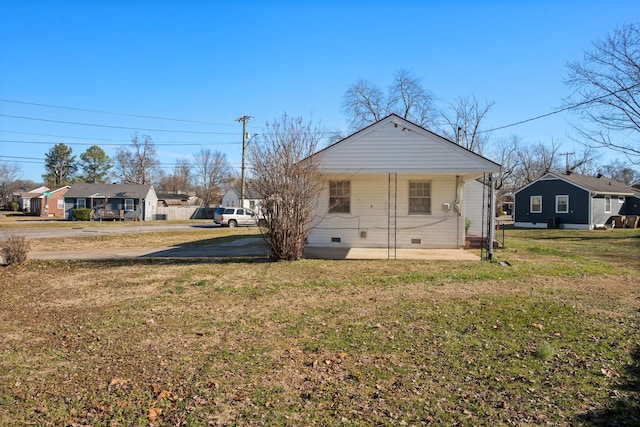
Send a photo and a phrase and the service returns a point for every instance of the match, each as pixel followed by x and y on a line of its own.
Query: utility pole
pixel 566 161
pixel 244 120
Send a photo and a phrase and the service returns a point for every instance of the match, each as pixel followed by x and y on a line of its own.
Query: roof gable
pixel 394 144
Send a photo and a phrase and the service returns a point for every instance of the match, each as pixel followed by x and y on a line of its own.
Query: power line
pixel 116 127
pixel 570 107
pixel 115 113
pixel 165 144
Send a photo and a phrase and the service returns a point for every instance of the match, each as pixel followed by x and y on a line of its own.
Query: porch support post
pixel 492 218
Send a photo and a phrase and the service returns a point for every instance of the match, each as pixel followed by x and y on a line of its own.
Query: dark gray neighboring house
pixel 558 200
pixel 113 201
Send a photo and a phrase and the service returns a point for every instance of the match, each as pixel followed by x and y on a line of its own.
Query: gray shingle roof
pixel 599 185
pixel 112 191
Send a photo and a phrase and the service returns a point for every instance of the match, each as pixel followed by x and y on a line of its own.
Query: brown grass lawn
pixel 550 340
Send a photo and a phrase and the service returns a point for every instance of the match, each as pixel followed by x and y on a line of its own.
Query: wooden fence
pixel 183 213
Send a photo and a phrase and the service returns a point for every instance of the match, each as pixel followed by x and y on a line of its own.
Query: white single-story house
pixel 396 185
pixel 252 200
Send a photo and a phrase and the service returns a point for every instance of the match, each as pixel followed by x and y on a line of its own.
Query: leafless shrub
pixel 286 174
pixel 14 249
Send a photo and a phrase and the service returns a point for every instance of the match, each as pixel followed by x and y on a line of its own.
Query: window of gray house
pixel 535 204
pixel 420 197
pixel 81 203
pixel 607 204
pixel 562 203
pixel 128 205
pixel 339 196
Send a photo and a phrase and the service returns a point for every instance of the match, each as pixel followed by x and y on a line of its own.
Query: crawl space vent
pixel 335 240
pixel 416 241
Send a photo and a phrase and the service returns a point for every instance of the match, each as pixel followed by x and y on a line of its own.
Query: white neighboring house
pixel 24 197
pixel 396 185
pixel 252 200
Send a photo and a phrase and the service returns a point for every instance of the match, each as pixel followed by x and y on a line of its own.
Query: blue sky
pixel 213 61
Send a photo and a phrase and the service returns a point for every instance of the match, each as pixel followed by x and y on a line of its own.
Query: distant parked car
pixel 233 217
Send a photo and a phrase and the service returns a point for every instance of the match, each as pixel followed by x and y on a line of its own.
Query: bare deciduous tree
pixel 139 165
pixel 504 153
pixel 212 171
pixel 464 121
pixel 180 181
pixel 8 181
pixel 620 171
pixel 535 161
pixel 606 86
pixel 364 103
pixel 285 172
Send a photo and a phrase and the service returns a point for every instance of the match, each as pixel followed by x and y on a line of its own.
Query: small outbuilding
pixel 571 200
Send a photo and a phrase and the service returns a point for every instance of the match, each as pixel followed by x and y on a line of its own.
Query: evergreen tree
pixel 60 166
pixel 96 165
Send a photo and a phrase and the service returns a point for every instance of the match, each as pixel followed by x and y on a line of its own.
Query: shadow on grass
pixel 233 246
pixel 624 408
pixel 126 262
pixel 219 240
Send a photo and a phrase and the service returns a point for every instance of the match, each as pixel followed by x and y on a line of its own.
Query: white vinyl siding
pixel 535 204
pixel 388 148
pixel 367 225
pixel 562 203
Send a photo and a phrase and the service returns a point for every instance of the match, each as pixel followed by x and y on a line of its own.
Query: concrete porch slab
pixel 378 253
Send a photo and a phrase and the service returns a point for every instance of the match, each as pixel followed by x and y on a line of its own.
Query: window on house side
pixel 60 204
pixel 607 204
pixel 339 196
pixel 81 203
pixel 535 205
pixel 128 205
pixel 420 197
pixel 562 204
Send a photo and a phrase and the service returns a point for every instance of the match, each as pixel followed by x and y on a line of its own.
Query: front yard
pixel 552 339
